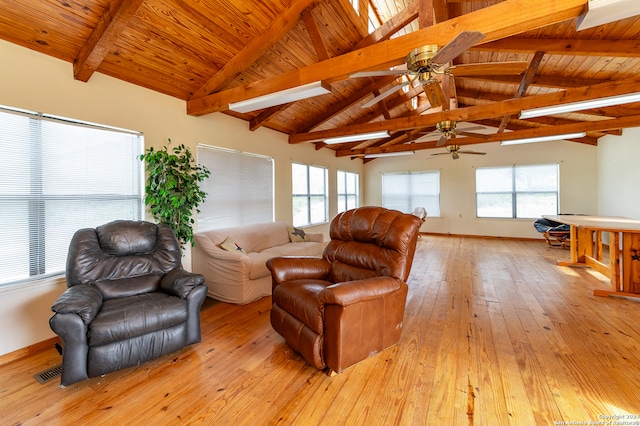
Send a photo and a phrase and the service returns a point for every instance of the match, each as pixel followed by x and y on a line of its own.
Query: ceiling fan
pixel 454 150
pixel 425 63
pixel 447 129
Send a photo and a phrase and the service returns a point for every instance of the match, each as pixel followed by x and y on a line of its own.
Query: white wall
pixel 34 81
pixel 619 174
pixel 578 183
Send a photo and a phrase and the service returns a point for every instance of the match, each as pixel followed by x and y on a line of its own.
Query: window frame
pixel 514 192
pixel 308 195
pixel 44 238
pixel 346 194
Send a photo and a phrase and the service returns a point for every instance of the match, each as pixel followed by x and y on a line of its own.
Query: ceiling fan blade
pixel 441 153
pixel 381 73
pixel 427 137
pixel 472 152
pixel 433 92
pixel 462 128
pixel 489 68
pixel 455 47
pixel 442 140
pixel 385 94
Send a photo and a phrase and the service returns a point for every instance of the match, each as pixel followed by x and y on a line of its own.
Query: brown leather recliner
pixel 128 300
pixel 349 304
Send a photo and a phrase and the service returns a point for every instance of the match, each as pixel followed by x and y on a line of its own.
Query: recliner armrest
pixel 286 268
pixel 83 300
pixel 350 292
pixel 180 282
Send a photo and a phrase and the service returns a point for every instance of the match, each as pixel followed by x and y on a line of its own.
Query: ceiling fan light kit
pixel 581 105
pixel 305 91
pixel 545 138
pixel 357 138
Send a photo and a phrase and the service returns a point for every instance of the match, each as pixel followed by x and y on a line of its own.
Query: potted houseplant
pixel 172 191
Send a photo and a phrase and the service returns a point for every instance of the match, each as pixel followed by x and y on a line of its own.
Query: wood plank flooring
pixel 495 334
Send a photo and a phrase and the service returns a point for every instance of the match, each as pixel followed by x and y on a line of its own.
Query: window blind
pixel 239 189
pixel 406 191
pixel 58 176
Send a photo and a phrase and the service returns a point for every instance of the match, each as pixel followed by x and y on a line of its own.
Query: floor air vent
pixel 48 375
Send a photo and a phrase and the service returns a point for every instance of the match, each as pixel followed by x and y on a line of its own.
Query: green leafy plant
pixel 172 191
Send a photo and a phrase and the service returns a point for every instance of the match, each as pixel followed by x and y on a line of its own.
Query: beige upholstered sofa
pixel 241 276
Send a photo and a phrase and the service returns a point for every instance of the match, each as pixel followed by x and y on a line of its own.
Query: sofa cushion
pixel 134 316
pixel 230 245
pixel 297 235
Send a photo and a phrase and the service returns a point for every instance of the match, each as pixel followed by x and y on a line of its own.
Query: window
pixel 309 194
pixel 347 191
pixel 60 175
pixel 406 191
pixel 517 191
pixel 239 189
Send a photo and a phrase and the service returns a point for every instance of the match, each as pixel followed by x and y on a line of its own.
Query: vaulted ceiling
pixel 211 53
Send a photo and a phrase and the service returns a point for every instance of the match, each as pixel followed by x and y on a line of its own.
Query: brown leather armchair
pixel 128 300
pixel 349 304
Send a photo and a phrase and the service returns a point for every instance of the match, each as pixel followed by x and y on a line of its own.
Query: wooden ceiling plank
pixel 590 47
pixel 524 84
pixel 257 47
pixel 509 106
pixel 103 36
pixel 498 21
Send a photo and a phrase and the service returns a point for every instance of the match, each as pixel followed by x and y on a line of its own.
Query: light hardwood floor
pixel 495 334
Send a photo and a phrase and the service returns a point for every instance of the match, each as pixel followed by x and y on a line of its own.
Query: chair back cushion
pixel 371 241
pixel 122 258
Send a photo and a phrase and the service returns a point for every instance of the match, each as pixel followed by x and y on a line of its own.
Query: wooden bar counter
pixel 623 269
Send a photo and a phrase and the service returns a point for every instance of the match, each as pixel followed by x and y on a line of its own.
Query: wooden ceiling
pixel 210 53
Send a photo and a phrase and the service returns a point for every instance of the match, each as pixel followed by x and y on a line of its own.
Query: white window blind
pixel 239 190
pixel 406 191
pixel 58 176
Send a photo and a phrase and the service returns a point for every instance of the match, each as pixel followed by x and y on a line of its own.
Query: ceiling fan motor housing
pixel 446 126
pixel 419 60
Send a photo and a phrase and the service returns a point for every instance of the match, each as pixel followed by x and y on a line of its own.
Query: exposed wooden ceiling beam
pixel 283 23
pixel 591 47
pixel 316 36
pixel 498 21
pixel 509 106
pixel 109 27
pixel 557 82
pixel 524 84
pixel 632 121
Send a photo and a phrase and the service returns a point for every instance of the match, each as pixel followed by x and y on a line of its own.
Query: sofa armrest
pixel 180 282
pixel 83 300
pixel 350 292
pixel 286 268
